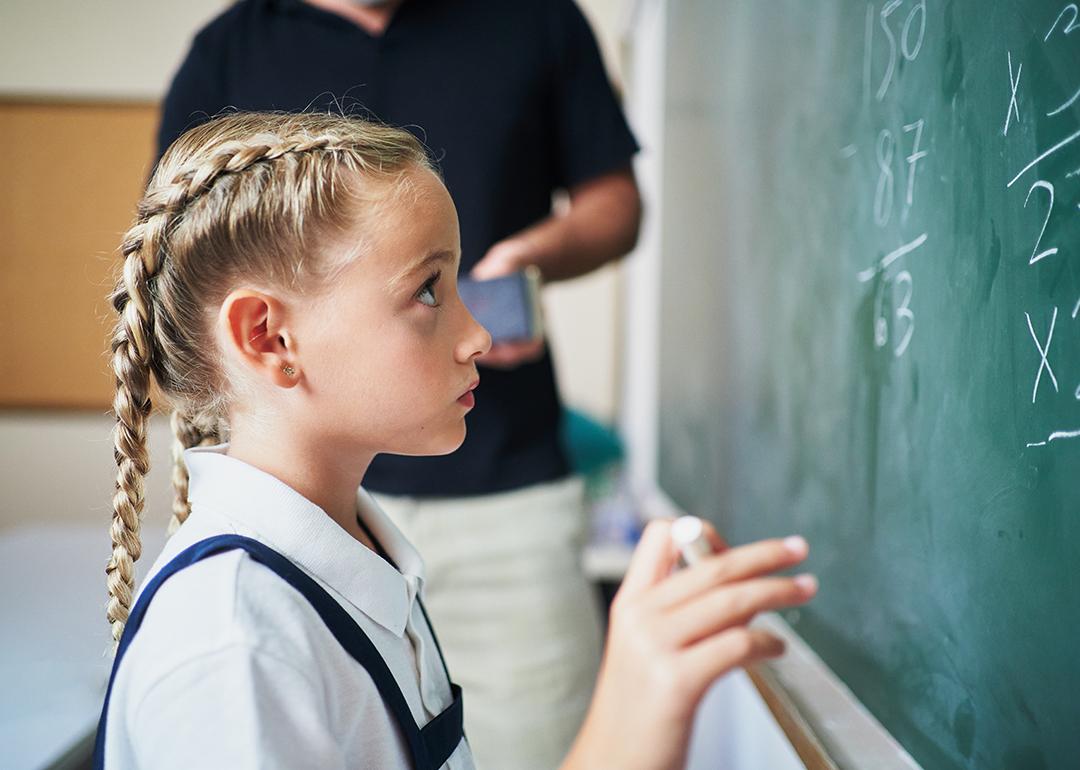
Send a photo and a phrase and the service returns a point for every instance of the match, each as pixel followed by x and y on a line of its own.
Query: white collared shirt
pixel 232 667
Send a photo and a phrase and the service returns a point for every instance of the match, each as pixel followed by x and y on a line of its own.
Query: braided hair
pixel 244 197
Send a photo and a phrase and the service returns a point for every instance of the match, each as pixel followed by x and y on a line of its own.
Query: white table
pixel 54 640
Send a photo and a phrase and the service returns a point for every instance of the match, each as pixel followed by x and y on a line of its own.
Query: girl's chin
pixel 455 443
pixel 446 444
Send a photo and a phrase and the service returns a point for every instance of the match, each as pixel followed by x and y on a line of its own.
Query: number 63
pixel 902 315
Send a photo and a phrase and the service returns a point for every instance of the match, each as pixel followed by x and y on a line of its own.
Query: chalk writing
pixel 1014 108
pixel 1042 183
pixel 1042 336
pixel 1044 352
pixel 897 290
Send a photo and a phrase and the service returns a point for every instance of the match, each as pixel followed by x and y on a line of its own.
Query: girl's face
pixel 388 354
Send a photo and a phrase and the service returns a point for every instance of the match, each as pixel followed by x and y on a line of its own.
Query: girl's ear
pixel 256 335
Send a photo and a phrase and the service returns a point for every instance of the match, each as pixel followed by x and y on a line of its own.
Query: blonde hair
pixel 244 197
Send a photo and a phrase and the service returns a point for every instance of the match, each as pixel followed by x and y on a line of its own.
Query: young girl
pixel 290 284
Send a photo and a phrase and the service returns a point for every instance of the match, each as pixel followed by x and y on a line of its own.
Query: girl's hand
pixel 671 637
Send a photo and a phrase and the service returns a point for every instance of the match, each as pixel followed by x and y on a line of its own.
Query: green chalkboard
pixel 871 335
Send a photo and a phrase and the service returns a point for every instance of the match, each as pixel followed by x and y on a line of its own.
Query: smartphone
pixel 508 306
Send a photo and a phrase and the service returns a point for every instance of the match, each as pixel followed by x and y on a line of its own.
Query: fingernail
pixel 797 545
pixel 808 583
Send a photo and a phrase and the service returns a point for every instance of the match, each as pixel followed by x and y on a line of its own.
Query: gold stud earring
pixel 289 371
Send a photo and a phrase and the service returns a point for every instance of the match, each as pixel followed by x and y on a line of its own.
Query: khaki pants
pixel 517 620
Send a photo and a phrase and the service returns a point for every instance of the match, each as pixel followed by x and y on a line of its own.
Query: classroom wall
pixel 110 60
pixel 61 209
pixel 58 467
pixel 101 50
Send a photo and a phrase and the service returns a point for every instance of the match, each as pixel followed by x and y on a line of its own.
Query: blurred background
pixel 80 89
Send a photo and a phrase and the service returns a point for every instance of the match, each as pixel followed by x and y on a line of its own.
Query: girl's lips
pixel 467 399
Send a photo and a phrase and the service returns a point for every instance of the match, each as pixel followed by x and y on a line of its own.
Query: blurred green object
pixel 590 445
pixel 596 453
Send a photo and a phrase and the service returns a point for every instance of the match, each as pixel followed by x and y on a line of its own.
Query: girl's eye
pixel 426 295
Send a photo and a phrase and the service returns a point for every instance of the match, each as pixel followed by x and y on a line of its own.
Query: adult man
pixel 513 101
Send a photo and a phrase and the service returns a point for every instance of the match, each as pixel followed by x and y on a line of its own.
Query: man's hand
pixel 600 225
pixel 504 258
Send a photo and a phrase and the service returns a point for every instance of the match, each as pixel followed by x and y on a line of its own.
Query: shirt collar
pixel 303 532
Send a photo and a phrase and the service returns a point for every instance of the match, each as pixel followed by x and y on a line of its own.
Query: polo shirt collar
pixel 303 532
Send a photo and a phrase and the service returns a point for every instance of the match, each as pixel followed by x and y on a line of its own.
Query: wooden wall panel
pixel 72 174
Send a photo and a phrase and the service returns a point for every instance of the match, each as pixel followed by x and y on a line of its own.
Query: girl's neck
pixel 325 481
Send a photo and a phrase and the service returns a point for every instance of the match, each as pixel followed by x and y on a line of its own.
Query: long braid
pixel 186 434
pixel 133 355
pixel 131 404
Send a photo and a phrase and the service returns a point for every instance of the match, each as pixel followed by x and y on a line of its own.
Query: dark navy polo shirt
pixel 513 102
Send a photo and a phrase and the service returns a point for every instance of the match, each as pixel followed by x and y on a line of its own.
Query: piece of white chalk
pixel 688 532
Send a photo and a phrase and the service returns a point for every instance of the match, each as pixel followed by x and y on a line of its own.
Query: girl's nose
pixel 476 341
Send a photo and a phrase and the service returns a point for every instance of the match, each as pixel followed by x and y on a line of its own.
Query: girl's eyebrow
pixel 442 255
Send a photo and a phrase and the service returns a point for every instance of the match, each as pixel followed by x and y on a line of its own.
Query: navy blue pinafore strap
pixel 430 746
